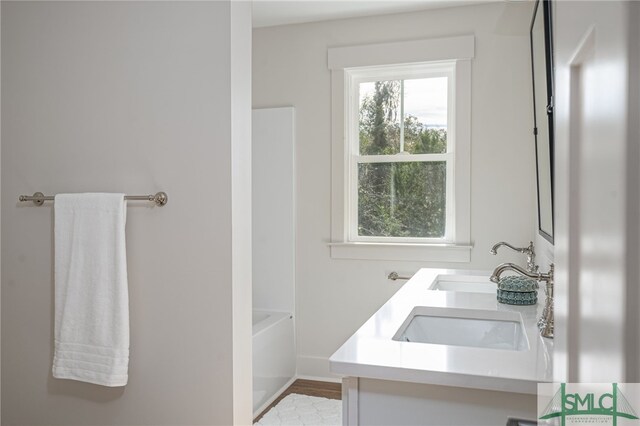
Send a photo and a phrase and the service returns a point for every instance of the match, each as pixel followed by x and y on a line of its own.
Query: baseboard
pixel 321 379
pixel 315 368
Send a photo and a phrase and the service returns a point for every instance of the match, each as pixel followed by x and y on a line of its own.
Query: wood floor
pixel 308 387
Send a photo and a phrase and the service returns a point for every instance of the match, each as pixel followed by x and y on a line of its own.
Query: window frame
pixel 353 78
pixel 341 60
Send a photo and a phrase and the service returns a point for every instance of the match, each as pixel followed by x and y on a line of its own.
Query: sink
pixel 464 327
pixel 464 283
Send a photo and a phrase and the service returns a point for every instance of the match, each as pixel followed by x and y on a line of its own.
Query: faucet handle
pixel 531 258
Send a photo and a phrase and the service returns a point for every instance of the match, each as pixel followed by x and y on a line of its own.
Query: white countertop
pixel 372 353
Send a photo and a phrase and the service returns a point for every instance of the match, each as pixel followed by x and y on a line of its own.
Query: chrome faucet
pixel 529 251
pixel 545 322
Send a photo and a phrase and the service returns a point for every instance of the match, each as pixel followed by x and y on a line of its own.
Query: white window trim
pixel 458 49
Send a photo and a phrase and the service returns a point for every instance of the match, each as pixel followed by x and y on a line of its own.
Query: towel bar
pixel 160 198
pixel 393 276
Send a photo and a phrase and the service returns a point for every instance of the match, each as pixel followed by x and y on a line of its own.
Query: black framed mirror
pixel 542 73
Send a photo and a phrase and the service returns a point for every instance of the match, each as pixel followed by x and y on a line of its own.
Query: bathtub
pixel 274 364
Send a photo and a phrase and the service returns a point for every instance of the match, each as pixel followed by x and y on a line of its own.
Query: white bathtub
pixel 274 364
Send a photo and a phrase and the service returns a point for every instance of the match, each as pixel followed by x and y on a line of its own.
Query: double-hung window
pixel 401 150
pixel 401 153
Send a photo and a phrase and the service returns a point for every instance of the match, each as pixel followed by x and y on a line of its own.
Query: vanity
pixel 443 351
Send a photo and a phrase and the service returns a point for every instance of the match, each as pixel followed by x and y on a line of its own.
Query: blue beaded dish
pixel 518 284
pixel 517 297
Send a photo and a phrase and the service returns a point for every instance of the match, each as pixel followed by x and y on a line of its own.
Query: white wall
pixel 274 209
pixel 633 216
pixel 0 226
pixel 134 97
pixel 597 245
pixel 334 297
pixel 240 99
pixel 544 249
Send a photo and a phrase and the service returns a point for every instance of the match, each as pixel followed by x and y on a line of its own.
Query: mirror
pixel 542 69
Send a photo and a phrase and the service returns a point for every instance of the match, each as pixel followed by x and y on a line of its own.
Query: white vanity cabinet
pixel 385 402
pixel 479 367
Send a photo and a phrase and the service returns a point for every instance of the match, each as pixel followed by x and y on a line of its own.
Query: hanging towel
pixel 91 294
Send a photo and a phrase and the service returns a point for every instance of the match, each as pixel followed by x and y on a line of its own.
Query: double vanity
pixel 443 351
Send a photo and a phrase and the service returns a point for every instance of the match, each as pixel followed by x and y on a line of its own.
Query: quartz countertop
pixel 372 353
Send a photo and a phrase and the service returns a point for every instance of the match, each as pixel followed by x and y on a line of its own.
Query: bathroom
pixel 163 97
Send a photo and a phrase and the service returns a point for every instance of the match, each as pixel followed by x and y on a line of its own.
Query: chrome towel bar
pixel 393 276
pixel 160 198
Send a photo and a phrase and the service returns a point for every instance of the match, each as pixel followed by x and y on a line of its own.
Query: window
pixel 401 150
pixel 400 180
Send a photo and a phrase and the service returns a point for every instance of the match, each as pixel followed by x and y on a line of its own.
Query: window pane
pixel 402 199
pixel 379 126
pixel 425 115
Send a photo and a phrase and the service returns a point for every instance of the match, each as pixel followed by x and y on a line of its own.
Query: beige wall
pixel 334 297
pixel 133 97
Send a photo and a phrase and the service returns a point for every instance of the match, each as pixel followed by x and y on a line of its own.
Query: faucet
pixel 545 322
pixel 529 251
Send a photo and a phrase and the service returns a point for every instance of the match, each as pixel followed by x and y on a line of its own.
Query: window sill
pixel 402 251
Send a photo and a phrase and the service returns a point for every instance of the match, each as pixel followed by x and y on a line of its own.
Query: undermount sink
pixel 464 327
pixel 463 283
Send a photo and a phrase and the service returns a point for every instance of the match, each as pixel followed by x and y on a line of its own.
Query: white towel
pixel 91 293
